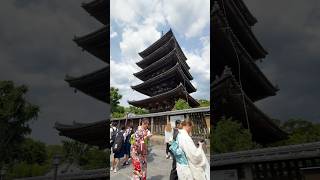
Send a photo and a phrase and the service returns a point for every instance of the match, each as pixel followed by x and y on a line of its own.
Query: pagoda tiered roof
pixel 229 51
pixel 90 133
pixel 246 13
pixel 170 59
pixel 230 15
pixel 98 9
pixel 228 100
pixel 165 101
pixel 96 43
pixel 165 74
pixel 165 81
pixel 94 84
pixel 167 44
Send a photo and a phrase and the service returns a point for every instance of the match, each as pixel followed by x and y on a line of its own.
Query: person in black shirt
pixel 173 173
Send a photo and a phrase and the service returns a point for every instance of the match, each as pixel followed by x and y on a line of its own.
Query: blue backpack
pixel 178 153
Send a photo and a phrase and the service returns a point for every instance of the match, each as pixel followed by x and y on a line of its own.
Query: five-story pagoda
pixel 238 80
pixel 165 75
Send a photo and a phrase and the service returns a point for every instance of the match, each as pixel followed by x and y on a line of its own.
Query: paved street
pixel 158 166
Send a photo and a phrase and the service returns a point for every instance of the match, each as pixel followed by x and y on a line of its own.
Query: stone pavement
pixel 158 166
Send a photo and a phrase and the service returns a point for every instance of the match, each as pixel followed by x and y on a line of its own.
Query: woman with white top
pixel 195 166
pixel 168 135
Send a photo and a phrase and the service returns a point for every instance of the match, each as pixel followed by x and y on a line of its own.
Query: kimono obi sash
pixel 178 153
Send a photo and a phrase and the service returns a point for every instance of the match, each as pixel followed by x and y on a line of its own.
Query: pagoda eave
pixel 96 43
pixel 172 57
pixel 240 27
pixel 228 101
pixel 163 50
pixel 98 9
pixel 229 51
pixel 247 14
pixel 168 97
pixel 166 37
pixel 174 72
pixel 89 133
pixel 94 84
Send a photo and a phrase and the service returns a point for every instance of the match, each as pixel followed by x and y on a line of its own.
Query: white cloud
pixel 113 33
pixel 199 61
pixel 135 40
pixel 122 78
pixel 188 17
pixel 185 16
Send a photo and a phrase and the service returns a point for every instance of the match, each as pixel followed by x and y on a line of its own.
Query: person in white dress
pixel 168 135
pixel 197 167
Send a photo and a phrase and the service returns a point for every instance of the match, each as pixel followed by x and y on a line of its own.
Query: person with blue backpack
pixel 173 172
pixel 191 162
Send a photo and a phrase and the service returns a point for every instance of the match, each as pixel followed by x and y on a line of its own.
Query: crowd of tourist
pixel 188 159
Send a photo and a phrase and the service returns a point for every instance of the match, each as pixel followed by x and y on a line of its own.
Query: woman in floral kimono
pixel 139 151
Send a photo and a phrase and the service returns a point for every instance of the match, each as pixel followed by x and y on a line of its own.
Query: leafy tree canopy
pixel 119 111
pixel 115 97
pixel 204 102
pixel 15 113
pixel 300 131
pixel 181 104
pixel 229 136
pixel 32 151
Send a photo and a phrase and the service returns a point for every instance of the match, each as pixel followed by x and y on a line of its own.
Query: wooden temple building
pixel 237 85
pixel 165 75
pixel 200 116
pixel 239 82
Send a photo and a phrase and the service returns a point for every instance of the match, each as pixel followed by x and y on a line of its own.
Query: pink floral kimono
pixel 139 154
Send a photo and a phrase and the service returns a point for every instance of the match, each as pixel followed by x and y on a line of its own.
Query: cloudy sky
pixel 36 49
pixel 290 31
pixel 136 24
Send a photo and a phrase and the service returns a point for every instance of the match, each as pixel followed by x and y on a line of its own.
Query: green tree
pixel 230 136
pixel 15 113
pixel 115 97
pixel 135 110
pixel 74 152
pixel 96 159
pixel 24 169
pixel 181 104
pixel 301 131
pixel 32 151
pixel 204 102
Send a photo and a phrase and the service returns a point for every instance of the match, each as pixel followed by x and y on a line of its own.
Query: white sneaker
pixel 111 169
pixel 115 170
